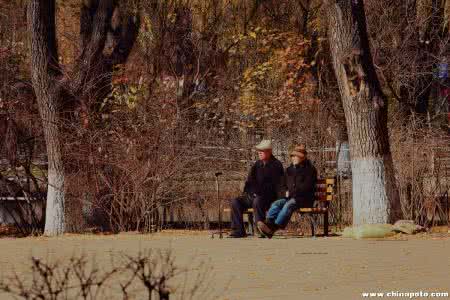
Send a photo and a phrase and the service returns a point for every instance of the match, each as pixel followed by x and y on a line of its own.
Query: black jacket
pixel 264 179
pixel 300 181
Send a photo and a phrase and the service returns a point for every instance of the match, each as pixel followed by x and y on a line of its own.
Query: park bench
pixel 324 194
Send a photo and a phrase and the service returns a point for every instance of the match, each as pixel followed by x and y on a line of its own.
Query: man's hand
pixel 287 194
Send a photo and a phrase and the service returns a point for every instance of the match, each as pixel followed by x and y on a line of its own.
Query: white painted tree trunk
pixel 375 196
pixel 370 199
pixel 54 214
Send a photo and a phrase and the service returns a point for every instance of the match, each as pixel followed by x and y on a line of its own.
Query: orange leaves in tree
pixel 282 85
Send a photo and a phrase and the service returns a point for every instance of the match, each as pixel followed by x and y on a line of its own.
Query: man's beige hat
pixel 264 145
pixel 299 150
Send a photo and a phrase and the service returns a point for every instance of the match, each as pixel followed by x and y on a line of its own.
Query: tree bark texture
pixel 60 95
pixel 375 195
pixel 41 24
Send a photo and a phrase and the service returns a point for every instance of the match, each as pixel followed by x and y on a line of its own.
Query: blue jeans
pixel 280 211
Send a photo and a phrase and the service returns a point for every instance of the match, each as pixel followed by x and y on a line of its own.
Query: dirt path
pixel 281 268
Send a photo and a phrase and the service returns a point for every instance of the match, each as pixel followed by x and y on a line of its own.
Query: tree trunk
pixel 54 214
pixel 431 33
pixel 184 60
pixel 58 95
pixel 41 24
pixel 375 195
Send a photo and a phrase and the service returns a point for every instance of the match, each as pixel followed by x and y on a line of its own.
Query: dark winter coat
pixel 300 181
pixel 264 179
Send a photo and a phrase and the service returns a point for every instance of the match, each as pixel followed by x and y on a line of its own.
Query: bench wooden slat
pixel 302 210
pixel 326 181
pixel 323 197
pixel 329 181
pixel 249 210
pixel 312 209
pixel 325 189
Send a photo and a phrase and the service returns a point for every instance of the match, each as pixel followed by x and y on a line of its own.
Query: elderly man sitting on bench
pixel 261 189
pixel 299 181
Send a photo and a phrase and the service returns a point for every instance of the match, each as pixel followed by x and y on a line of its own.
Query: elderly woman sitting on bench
pixel 299 182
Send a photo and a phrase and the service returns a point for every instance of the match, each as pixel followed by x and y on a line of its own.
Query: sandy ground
pixel 281 268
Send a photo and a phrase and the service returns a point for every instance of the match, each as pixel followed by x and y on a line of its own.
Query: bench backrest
pixel 325 189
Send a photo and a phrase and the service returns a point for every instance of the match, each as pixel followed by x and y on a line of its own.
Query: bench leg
pixel 325 224
pixel 251 224
pixel 311 221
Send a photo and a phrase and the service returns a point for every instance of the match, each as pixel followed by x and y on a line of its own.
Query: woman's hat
pixel 299 150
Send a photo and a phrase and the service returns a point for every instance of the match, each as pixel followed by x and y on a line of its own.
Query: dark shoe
pixel 274 227
pixel 269 221
pixel 234 235
pixel 264 229
pixel 271 224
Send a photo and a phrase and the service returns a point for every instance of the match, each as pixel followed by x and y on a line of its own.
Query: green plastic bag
pixel 348 232
pixel 369 231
